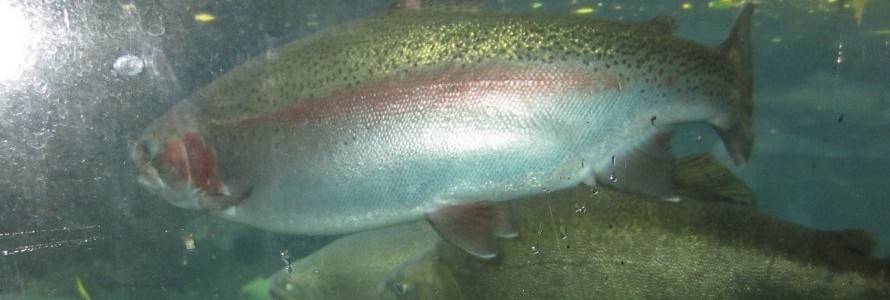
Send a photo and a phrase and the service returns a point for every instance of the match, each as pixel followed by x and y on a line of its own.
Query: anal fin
pixel 646 169
pixel 473 227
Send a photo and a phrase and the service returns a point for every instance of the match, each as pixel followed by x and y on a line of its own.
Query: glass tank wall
pixel 80 81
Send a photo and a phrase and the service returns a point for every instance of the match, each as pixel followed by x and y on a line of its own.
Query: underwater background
pixel 79 80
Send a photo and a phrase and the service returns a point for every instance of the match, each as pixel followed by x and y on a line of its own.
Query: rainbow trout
pixel 444 114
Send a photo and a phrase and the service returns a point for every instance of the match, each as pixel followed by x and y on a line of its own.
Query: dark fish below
pixel 623 247
pixel 444 115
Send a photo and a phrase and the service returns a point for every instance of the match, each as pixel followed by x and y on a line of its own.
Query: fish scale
pixel 444 116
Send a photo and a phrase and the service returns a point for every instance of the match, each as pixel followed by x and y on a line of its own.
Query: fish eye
pixel 399 287
pixel 148 149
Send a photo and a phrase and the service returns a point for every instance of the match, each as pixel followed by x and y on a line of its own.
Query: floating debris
pixel 723 4
pixel 584 11
pixel 81 290
pixel 189 242
pixel 204 17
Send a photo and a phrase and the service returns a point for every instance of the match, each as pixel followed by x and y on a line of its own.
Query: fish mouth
pixel 184 196
pixel 142 153
pixel 149 178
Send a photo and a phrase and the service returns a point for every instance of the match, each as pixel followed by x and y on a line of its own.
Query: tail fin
pixel 739 138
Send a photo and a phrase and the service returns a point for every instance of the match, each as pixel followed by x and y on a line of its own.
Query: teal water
pixel 79 80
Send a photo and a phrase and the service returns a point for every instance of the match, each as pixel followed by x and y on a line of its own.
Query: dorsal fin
pixel 437 5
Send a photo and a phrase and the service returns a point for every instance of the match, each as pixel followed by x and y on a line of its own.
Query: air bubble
pixel 156 30
pixel 535 249
pixel 38 140
pixel 128 65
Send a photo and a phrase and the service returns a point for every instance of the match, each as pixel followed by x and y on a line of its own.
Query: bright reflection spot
pixel 46 239
pixel 128 65
pixel 15 32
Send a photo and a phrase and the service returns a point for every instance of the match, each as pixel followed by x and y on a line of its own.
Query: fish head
pixel 423 277
pixel 176 164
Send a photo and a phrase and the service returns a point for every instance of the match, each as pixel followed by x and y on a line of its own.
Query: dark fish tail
pixel 738 137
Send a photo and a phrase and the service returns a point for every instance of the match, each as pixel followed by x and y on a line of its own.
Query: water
pixel 71 207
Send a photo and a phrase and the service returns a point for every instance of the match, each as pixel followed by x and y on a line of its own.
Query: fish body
pixel 320 275
pixel 609 245
pixel 438 113
pixel 616 245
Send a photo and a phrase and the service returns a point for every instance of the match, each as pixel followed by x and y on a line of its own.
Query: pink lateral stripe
pixel 391 93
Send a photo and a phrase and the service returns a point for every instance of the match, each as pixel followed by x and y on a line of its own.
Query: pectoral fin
pixel 473 227
pixel 703 177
